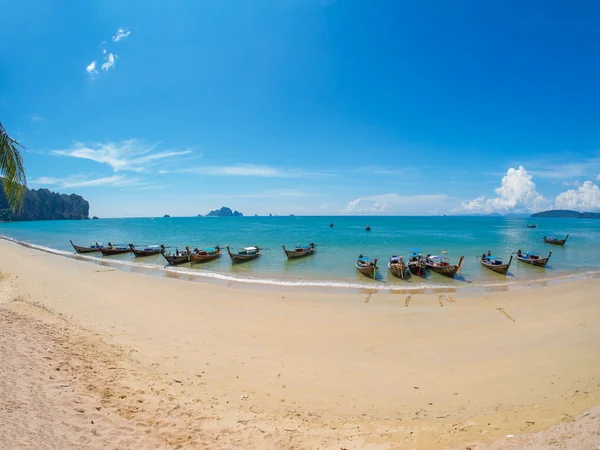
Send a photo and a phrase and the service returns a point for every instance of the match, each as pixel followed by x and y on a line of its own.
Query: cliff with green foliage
pixel 224 212
pixel 42 204
pixel 567 213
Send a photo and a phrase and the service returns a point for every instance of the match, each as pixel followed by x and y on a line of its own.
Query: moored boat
pixel 300 250
pixel 204 255
pixel 441 264
pixel 367 266
pixel 244 254
pixel 148 250
pixel 531 226
pixel 495 264
pixel 331 225
pixel 93 248
pixel 416 265
pixel 176 258
pixel 397 266
pixel 533 258
pixel 114 249
pixel 368 228
pixel 555 240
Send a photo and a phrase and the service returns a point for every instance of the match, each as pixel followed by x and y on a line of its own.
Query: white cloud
pixel 250 170
pixel 83 181
pixel 598 177
pixel 517 193
pixel 91 68
pixel 122 33
pixel 109 62
pixel 585 198
pixel 396 204
pixel 125 155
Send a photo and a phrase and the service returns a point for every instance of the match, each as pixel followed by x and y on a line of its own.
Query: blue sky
pixel 306 106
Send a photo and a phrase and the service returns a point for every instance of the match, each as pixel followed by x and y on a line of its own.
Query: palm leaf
pixel 12 170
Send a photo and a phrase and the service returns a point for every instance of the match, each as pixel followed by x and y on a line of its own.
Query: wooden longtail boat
pixel 533 259
pixel 441 265
pixel 93 248
pixel 531 226
pixel 204 255
pixel 555 240
pixel 244 254
pixel 331 225
pixel 176 258
pixel 300 251
pixel 396 266
pixel 495 264
pixel 111 249
pixel 416 265
pixel 367 266
pixel 368 228
pixel 149 250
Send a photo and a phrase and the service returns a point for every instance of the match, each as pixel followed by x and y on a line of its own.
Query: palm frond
pixel 12 170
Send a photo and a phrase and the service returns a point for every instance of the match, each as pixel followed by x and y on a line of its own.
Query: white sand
pixel 176 364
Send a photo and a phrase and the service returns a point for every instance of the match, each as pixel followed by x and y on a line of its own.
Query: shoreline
pixel 231 281
pixel 221 367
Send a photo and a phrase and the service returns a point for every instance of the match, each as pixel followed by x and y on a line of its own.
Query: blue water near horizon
pixel 339 246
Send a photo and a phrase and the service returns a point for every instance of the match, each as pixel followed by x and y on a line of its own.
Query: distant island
pixel 567 213
pixel 166 215
pixel 42 204
pixel 224 212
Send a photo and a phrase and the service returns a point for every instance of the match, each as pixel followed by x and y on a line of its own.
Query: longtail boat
pixel 243 254
pixel 176 258
pixel 531 226
pixel 331 225
pixel 441 265
pixel 416 265
pixel 495 264
pixel 204 255
pixel 555 240
pixel 148 250
pixel 367 228
pixel 367 266
pixel 114 249
pixel 533 259
pixel 300 250
pixel 396 266
pixel 93 248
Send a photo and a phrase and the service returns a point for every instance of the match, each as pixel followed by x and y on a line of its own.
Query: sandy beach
pixel 95 357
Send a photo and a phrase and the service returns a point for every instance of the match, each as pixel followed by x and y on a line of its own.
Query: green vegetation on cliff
pixel 42 204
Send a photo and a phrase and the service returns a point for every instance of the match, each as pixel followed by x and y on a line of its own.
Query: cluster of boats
pixel 417 264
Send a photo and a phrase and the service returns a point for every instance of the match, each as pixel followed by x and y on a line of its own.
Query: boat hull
pixel 80 249
pixel 498 268
pixel 294 254
pixel 556 241
pixel 417 268
pixel 367 271
pixel 114 251
pixel 173 260
pixel 237 258
pixel 448 271
pixel 204 258
pixel 398 270
pixel 540 262
pixel 141 253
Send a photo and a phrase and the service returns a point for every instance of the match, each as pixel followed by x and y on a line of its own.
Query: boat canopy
pixel 395 258
pixel 365 258
pixel 528 253
pixel 250 249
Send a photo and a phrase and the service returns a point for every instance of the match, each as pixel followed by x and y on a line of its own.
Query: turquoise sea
pixel 338 247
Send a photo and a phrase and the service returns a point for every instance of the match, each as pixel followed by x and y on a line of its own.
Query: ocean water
pixel 338 247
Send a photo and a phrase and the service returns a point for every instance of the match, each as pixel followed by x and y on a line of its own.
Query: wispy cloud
pixel 91 68
pixel 397 204
pixel 109 62
pixel 36 119
pixel 120 156
pixel 110 58
pixel 265 194
pixel 251 170
pixel 84 181
pixel 122 33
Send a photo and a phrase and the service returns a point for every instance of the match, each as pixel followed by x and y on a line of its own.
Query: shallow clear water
pixel 339 247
